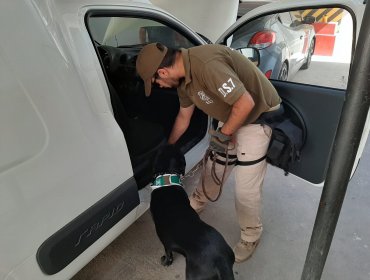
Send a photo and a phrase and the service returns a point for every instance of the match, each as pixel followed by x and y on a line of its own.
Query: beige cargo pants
pixel 251 143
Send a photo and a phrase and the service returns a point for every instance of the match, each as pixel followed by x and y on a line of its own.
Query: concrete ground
pixel 289 210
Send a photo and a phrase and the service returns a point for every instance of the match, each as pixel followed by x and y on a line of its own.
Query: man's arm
pixel 239 112
pixel 181 123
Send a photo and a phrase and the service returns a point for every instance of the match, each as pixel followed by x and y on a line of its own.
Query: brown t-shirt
pixel 216 76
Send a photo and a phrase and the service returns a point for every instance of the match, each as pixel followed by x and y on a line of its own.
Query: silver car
pixel 285 42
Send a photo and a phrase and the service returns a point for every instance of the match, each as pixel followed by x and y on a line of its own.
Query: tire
pixel 309 55
pixel 283 74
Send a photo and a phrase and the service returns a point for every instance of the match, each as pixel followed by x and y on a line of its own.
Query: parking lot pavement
pixel 318 70
pixel 289 210
pixel 331 71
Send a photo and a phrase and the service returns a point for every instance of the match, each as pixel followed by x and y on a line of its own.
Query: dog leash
pixel 193 171
pixel 209 153
pixel 202 164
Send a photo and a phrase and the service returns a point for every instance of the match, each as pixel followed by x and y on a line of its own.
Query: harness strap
pixel 251 162
pixel 223 162
pixel 224 155
pixel 235 161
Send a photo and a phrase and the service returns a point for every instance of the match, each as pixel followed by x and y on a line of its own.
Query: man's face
pixel 165 78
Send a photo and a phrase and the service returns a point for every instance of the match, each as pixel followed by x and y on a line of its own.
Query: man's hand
pixel 219 142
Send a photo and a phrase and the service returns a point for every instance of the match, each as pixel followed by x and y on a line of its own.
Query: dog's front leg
pixel 167 259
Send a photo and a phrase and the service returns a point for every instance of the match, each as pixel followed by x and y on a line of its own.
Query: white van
pixel 78 135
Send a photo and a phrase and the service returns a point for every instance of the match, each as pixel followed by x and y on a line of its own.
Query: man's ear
pixel 162 72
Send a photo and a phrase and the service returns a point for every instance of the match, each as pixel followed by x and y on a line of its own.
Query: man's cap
pixel 148 62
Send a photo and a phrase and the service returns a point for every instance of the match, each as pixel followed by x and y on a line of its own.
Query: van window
pixel 126 31
pixel 301 46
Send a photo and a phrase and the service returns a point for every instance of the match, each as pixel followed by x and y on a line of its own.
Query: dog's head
pixel 169 160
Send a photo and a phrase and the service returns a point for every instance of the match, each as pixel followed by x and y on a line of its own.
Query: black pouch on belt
pixel 286 139
pixel 285 145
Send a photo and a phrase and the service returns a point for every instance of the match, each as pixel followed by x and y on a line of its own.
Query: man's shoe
pixel 244 250
pixel 197 205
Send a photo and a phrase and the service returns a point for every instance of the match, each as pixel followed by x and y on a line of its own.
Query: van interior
pixel 146 122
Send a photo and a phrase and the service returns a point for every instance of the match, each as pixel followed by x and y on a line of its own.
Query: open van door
pixel 312 101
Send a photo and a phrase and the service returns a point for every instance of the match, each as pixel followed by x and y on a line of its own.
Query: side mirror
pixel 252 54
pixel 308 20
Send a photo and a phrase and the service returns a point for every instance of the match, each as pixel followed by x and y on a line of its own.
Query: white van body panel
pixel 57 122
pixel 61 148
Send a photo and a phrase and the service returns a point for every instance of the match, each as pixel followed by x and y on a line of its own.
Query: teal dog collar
pixel 166 180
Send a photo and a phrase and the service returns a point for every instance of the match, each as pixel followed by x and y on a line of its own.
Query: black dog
pixel 179 227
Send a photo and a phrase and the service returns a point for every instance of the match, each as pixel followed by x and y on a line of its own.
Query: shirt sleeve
pixel 184 99
pixel 220 79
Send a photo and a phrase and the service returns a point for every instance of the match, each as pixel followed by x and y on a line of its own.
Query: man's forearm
pixel 181 123
pixel 239 113
pixel 177 131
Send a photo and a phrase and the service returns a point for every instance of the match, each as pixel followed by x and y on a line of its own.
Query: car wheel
pixel 309 55
pixel 283 74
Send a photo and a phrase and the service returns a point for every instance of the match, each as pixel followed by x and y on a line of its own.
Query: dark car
pixel 284 40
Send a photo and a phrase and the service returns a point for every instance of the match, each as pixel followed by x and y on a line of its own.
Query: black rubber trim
pixel 69 242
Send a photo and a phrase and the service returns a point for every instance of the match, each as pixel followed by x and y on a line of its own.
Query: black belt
pixel 271 116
